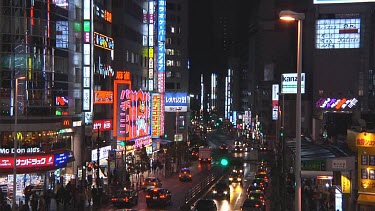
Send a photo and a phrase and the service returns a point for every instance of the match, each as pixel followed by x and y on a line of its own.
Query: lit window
pixel 168 74
pixel 178 63
pixel 169 52
pixel 170 63
pixel 169 41
pixel 172 30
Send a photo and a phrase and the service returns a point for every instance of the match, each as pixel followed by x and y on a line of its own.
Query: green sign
pixel 86 26
pixel 313 165
pixel 78 26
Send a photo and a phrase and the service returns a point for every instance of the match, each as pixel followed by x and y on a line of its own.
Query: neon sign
pixel 102 125
pixel 155 115
pixel 27 161
pixel 103 97
pixel 338 104
pixel 103 41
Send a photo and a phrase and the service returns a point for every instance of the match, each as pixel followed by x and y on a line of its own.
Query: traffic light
pixel 281 132
pixel 122 143
pixel 224 162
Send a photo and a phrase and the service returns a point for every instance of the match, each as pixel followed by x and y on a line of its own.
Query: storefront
pixel 365 143
pixel 34 168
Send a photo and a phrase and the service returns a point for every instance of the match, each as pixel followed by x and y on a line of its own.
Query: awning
pixel 366 199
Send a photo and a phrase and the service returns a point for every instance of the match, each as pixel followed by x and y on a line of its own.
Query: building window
pixel 169 41
pixel 169 85
pixel 132 57
pixel 127 56
pixel 168 74
pixel 169 52
pixel 178 63
pixel 178 86
pixel 173 29
pixel 178 74
pixel 170 63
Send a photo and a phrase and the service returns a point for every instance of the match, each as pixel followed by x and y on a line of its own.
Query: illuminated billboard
pixel 340 1
pixel 289 83
pixel 132 113
pixel 338 33
pixel 103 97
pixel 103 41
pixel 155 115
pixel 176 101
pixel 119 86
pixel 336 103
pixel 62 34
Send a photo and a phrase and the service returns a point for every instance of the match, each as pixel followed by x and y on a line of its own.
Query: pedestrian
pixel 94 195
pixel 34 202
pixel 42 203
pixel 89 194
pixel 53 204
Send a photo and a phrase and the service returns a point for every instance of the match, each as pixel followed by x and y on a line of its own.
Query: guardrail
pixel 199 189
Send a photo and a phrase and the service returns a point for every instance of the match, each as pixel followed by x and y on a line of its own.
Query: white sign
pixel 275 91
pixel 338 200
pixel 175 108
pixel 22 150
pixel 340 1
pixel 339 164
pixel 104 151
pixel 289 83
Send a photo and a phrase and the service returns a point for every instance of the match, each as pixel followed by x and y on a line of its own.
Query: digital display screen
pixel 338 33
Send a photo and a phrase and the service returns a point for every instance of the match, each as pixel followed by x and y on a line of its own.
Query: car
pixel 224 148
pixel 185 175
pixel 257 194
pixel 221 190
pixel 235 178
pixel 194 152
pixel 254 188
pixel 252 204
pixel 151 182
pixel 205 205
pixel 263 177
pixel 238 148
pixel 158 197
pixel 258 182
pixel 124 197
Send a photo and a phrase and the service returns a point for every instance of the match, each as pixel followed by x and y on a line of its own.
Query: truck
pixel 205 154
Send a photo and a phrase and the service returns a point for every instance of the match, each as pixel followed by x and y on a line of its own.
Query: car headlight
pixel 238 179
pixel 214 191
pixel 230 179
pixel 225 192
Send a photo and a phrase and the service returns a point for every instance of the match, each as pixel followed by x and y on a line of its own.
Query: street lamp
pixel 288 15
pixel 15 143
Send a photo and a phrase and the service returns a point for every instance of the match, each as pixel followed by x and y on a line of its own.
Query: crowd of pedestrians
pixel 68 197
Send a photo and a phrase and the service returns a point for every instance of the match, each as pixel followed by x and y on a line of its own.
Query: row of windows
pixel 172 52
pixel 173 63
pixel 173 41
pixel 173 30
pixel 170 85
pixel 173 74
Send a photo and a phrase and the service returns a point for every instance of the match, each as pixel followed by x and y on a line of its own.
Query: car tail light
pixel 180 175
pixel 190 175
pixel 113 199
pixel 162 196
pixel 257 205
pixel 126 199
pixel 154 183
pixel 143 183
pixel 148 196
pixel 261 197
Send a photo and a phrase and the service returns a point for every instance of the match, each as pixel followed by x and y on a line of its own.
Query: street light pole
pixel 290 15
pixel 15 140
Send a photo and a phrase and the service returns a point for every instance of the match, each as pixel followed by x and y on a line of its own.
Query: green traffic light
pixel 224 162
pixel 122 143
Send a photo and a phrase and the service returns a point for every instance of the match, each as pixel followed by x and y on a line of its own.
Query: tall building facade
pixel 176 68
pixel 40 80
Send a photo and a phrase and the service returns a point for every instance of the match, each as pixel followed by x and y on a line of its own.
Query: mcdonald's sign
pixel 67 123
pixel 19 136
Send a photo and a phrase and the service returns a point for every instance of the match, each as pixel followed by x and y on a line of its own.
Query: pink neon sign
pixel 338 104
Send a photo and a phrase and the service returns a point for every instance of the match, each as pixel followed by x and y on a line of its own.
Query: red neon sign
pixel 34 161
pixel 102 125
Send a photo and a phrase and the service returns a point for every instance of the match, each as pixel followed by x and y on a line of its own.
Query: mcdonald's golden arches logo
pixel 66 123
pixel 19 136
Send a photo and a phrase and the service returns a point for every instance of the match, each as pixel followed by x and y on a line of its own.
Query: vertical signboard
pixel 155 115
pixel 87 57
pixel 162 19
pixel 151 25
pixel 275 101
pixel 121 109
